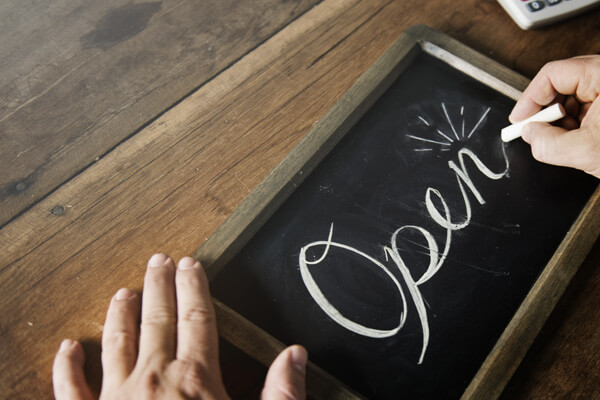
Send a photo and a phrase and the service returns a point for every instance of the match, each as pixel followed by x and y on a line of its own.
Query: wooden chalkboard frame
pixel 257 208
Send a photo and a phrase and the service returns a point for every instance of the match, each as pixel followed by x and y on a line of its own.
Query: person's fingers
pixel 555 145
pixel 119 338
pixel 193 381
pixel 576 76
pixel 286 378
pixel 67 373
pixel 524 108
pixel 197 338
pixel 159 315
pixel 540 92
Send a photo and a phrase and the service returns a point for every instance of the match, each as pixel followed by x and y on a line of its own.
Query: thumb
pixel 286 377
pixel 67 373
pixel 558 146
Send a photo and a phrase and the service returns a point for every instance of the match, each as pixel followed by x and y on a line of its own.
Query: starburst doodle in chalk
pixel 444 139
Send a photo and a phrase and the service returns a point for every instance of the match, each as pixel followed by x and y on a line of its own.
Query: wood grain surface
pixel 80 77
pixel 168 186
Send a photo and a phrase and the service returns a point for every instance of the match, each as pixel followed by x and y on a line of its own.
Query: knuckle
pixel 187 279
pixel 549 66
pixel 549 69
pixel 121 341
pixel 119 308
pixel 159 277
pixel 198 316
pixel 195 381
pixel 587 89
pixel 192 372
pixel 158 316
pixel 68 358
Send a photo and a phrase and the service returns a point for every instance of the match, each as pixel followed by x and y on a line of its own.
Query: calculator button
pixel 535 6
pixel 553 2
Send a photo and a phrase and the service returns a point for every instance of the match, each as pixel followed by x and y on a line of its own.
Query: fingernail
pixel 65 345
pixel 124 294
pixel 188 263
pixel 157 260
pixel 299 358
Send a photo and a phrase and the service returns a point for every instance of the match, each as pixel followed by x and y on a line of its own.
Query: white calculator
pixel 535 13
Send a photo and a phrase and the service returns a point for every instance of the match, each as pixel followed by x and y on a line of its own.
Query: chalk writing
pixel 444 139
pixel 391 252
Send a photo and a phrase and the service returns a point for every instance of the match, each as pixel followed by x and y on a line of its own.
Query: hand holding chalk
pixel 550 114
pixel 575 142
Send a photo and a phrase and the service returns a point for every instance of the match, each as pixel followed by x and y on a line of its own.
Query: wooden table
pixel 128 129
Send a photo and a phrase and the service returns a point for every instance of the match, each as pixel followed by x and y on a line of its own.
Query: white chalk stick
pixel 550 114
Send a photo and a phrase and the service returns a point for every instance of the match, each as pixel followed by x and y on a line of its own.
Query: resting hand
pixel 576 141
pixel 178 345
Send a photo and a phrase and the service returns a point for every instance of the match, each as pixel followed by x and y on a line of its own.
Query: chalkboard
pixel 405 253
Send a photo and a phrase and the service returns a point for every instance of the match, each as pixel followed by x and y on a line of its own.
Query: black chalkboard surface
pixel 400 260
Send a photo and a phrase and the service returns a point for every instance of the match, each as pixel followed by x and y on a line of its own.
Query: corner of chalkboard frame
pixel 261 204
